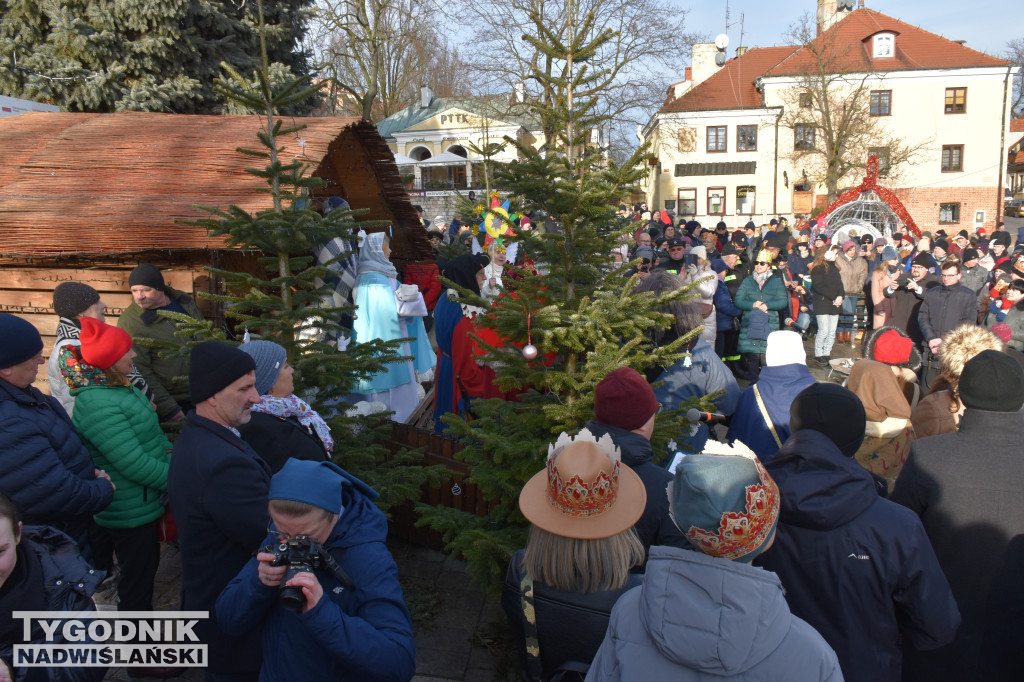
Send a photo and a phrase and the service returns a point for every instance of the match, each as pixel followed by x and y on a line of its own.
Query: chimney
pixel 702 62
pixel 519 92
pixel 830 12
pixel 740 51
pixel 426 96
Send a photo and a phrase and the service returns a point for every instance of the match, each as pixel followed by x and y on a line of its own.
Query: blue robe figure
pixel 377 317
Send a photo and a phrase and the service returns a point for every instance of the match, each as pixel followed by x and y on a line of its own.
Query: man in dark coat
pixel 944 309
pixel 966 488
pixel 857 567
pixel 218 492
pixel 45 469
pixel 625 407
pixel 908 292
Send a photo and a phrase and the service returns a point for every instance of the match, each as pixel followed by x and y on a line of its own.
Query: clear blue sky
pixel 986 25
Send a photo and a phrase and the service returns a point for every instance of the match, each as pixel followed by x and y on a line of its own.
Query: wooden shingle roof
pixel 92 184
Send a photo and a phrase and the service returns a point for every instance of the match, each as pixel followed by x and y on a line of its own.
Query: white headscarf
pixel 372 258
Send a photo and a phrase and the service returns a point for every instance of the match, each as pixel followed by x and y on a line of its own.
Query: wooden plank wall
pixel 455 493
pixel 26 290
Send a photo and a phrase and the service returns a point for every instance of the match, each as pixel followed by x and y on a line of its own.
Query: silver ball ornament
pixel 529 351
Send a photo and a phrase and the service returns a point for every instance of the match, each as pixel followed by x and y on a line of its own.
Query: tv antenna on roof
pixel 729 24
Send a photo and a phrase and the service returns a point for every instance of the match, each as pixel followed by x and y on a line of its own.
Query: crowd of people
pixel 818 531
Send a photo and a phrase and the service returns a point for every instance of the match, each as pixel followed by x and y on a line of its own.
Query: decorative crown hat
pixel 724 501
pixel 584 490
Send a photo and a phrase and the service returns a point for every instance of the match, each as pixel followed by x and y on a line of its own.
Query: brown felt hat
pixel 585 491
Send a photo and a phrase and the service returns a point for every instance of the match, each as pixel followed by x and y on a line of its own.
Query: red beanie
pixel 102 344
pixel 624 399
pixel 893 348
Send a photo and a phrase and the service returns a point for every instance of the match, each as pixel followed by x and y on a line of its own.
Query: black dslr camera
pixel 302 554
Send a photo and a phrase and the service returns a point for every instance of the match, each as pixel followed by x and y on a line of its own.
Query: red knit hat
pixel 624 399
pixel 102 344
pixel 893 348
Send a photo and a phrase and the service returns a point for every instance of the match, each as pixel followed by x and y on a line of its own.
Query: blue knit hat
pixel 319 484
pixel 269 357
pixel 725 504
pixel 889 253
pixel 19 341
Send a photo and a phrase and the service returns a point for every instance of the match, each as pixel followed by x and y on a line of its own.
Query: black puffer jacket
pixel 50 576
pixel 826 285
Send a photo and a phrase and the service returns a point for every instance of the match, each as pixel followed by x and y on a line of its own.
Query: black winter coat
pixel 826 285
pixel 966 487
pixel 570 625
pixel 946 308
pixel 278 439
pixel 655 526
pixel 218 489
pixel 45 469
pixel 50 576
pixel 857 567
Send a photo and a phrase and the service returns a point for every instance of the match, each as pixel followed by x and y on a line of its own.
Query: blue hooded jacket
pixel 360 634
pixel 778 387
pixel 857 567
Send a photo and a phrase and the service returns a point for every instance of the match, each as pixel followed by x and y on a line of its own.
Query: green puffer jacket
pixel 123 435
pixel 158 370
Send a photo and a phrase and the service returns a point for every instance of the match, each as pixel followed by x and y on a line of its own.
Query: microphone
pixel 693 415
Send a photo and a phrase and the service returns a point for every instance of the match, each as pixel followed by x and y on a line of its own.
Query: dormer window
pixel 884 45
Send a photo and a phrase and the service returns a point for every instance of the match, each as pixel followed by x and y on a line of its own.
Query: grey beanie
pixel 71 299
pixel 889 253
pixel 269 358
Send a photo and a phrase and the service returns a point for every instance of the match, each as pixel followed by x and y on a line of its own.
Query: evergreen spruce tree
pixel 581 313
pixel 142 55
pixel 286 305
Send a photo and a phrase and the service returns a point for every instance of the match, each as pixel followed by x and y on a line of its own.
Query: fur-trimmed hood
pixel 963 343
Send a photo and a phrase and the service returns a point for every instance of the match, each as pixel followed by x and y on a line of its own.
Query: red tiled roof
pixel 916 48
pixel 122 182
pixel 1017 125
pixel 732 87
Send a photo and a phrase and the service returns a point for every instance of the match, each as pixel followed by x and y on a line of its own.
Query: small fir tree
pixel 582 313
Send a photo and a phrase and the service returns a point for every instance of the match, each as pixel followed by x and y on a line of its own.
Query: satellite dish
pixel 720 59
pixel 721 41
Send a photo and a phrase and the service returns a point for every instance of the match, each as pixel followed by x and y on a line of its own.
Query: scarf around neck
pixel 293 406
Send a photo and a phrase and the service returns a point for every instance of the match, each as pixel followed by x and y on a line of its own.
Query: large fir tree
pixel 142 55
pixel 582 313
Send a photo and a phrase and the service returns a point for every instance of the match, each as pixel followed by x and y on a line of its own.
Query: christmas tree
pixel 287 304
pixel 581 314
pixel 100 55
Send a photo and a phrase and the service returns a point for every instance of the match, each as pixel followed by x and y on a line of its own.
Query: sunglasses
pixel 762 262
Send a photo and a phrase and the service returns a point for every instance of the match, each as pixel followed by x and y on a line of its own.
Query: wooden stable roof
pixel 101 184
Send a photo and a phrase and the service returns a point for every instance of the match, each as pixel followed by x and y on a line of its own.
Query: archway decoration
pixel 870 184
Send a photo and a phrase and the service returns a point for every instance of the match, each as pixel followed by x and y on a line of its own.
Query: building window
pixel 746 138
pixel 745 199
pixel 803 136
pixel 716 139
pixel 881 102
pixel 949 213
pixel 884 44
pixel 883 159
pixel 716 201
pixel 805 100
pixel 956 100
pixel 952 158
pixel 687 201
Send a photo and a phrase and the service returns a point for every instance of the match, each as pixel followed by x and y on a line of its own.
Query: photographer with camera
pixel 323 591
